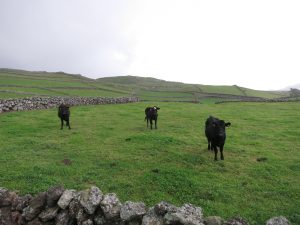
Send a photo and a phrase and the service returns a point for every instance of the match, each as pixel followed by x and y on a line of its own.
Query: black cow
pixel 215 134
pixel 151 114
pixel 64 115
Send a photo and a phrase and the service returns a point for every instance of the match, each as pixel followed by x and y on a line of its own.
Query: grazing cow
pixel 64 115
pixel 215 134
pixel 151 114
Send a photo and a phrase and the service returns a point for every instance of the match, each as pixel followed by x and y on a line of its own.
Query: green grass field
pixel 109 146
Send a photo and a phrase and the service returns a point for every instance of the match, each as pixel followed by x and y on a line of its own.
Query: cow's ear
pixel 227 124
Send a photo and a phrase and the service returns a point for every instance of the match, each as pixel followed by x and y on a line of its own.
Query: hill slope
pixel 20 83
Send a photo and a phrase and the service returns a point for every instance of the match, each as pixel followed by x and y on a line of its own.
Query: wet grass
pixel 110 146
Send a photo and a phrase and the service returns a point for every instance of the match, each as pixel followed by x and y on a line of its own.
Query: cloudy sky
pixel 254 44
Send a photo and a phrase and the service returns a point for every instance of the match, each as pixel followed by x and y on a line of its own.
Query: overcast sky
pixel 253 43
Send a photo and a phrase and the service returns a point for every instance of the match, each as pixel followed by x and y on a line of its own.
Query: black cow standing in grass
pixel 151 114
pixel 215 134
pixel 64 115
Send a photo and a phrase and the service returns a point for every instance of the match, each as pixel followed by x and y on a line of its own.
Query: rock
pixel 281 220
pixel 236 221
pixel 17 218
pixel 76 211
pixel 134 222
pixel 74 207
pixel 213 220
pixel 87 222
pixel 35 222
pixel 163 207
pixel 5 216
pixel 90 199
pixel 151 218
pixel 99 220
pixel 20 203
pixel 6 197
pixel 53 195
pixel 111 206
pixel 49 214
pixel 35 207
pixel 62 218
pixel 185 215
pixel 132 210
pixel 66 198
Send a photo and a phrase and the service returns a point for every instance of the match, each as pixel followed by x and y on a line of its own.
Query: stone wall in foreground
pixel 7 105
pixel 58 206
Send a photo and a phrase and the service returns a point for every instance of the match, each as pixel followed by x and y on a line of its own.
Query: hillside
pixel 20 83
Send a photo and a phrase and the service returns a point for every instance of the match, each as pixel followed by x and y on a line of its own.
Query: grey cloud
pixel 73 36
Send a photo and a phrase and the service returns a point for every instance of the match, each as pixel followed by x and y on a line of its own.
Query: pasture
pixel 109 146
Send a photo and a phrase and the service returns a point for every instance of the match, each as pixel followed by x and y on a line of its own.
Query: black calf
pixel 215 134
pixel 151 114
pixel 64 115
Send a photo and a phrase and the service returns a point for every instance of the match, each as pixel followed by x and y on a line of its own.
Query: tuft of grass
pixel 111 147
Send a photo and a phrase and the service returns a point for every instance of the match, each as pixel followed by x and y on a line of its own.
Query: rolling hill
pixel 21 83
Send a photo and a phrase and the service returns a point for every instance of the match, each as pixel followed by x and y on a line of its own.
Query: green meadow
pixel 110 146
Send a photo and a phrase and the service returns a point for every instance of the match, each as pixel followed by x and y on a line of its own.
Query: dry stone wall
pixel 7 105
pixel 58 206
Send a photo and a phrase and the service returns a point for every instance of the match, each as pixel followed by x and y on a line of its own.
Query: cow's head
pixel 156 108
pixel 220 126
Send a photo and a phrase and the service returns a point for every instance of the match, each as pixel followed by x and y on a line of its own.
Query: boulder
pixel 87 222
pixel 5 216
pixel 90 199
pixel 213 220
pixel 151 218
pixel 62 218
pixel 236 221
pixel 132 210
pixel 66 198
pixel 20 202
pixel 111 206
pixel 53 195
pixel 185 215
pixel 35 207
pixel 49 214
pixel 164 207
pixel 280 220
pixel 35 222
pixel 76 211
pixel 17 218
pixel 6 197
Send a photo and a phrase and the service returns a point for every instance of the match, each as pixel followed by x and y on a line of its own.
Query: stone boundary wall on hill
pixel 58 206
pixel 7 105
pixel 264 100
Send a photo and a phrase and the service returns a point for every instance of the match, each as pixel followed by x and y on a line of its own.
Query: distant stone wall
pixel 7 105
pixel 286 99
pixel 58 206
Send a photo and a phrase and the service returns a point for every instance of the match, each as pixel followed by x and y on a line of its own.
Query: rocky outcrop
pixel 91 207
pixel 7 105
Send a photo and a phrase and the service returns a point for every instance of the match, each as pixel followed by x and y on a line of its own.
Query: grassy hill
pixel 20 83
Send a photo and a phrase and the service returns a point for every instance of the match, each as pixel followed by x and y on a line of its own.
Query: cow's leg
pixel 216 152
pixel 68 123
pixel 221 151
pixel 151 123
pixel 62 123
pixel 209 147
pixel 147 122
pixel 155 123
